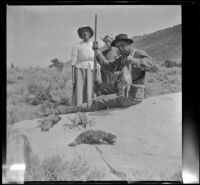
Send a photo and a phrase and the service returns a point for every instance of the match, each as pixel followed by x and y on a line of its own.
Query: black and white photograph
pixel 94 93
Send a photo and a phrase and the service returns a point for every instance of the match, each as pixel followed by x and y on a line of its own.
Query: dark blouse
pixel 110 55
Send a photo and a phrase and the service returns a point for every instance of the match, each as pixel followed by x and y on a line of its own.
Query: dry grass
pixel 54 168
pixel 36 92
pixel 165 81
pixel 28 89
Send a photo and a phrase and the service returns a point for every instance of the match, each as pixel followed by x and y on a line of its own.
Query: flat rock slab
pixel 148 147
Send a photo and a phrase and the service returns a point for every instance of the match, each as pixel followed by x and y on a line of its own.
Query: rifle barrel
pixel 95 36
pixel 95 62
pixel 95 39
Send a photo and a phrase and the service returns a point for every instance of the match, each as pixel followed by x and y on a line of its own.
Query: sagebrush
pixel 37 92
pixel 54 168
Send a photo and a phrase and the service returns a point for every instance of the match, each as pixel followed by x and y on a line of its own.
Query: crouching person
pixel 141 63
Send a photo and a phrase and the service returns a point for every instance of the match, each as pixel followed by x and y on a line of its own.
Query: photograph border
pixel 190 74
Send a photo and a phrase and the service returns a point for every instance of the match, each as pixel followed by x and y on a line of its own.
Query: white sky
pixel 37 34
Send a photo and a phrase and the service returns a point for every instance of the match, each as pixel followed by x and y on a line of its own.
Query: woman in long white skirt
pixel 83 67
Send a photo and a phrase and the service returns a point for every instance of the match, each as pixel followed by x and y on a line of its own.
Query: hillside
pixel 163 44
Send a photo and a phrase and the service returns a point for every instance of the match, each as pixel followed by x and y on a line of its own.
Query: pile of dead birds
pixel 48 122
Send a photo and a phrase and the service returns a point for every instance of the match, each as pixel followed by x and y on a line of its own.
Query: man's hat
pixel 121 37
pixel 80 30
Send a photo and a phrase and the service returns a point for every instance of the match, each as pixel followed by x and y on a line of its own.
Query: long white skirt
pixel 83 87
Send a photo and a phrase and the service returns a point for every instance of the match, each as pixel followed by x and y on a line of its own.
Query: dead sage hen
pixel 80 120
pixel 48 122
pixel 123 78
pixel 94 137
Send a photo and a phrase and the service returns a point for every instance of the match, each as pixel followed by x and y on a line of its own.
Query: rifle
pixel 95 87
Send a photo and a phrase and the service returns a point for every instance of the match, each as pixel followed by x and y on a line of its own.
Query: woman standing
pixel 83 66
pixel 110 54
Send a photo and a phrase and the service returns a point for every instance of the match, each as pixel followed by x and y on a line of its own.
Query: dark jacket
pixel 109 55
pixel 146 64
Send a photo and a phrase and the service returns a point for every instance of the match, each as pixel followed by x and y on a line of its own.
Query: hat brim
pixel 106 37
pixel 129 41
pixel 80 30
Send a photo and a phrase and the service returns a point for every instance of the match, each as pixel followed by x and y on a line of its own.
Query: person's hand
pixel 98 52
pixel 134 61
pixel 95 46
pixel 118 57
pixel 129 58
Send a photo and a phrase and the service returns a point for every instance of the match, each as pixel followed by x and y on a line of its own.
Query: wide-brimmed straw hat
pixel 80 30
pixel 121 37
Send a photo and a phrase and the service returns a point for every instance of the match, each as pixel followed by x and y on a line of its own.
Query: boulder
pixel 148 144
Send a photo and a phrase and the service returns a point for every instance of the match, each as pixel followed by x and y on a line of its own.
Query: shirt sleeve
pixel 147 63
pixel 106 64
pixel 74 55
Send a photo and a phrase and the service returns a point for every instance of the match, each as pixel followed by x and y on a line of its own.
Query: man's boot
pixel 66 109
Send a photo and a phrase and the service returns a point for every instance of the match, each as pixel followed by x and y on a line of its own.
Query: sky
pixel 38 34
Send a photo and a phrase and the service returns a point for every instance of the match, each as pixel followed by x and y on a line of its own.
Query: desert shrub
pixel 151 78
pixel 166 80
pixel 77 169
pixel 35 172
pixel 161 77
pixel 14 111
pixel 177 176
pixel 95 175
pixel 48 86
pixel 39 92
pixel 174 88
pixel 27 89
pixel 10 81
pixel 36 92
pixel 54 168
pixel 174 71
pixel 49 108
pixel 170 64
pixel 46 109
pixel 20 78
pixel 17 108
pixel 14 76
pixel 147 91
pixel 20 111
pixel 175 79
pixel 11 78
pixel 11 114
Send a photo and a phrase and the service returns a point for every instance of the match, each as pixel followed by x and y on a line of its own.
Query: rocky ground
pixel 148 147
